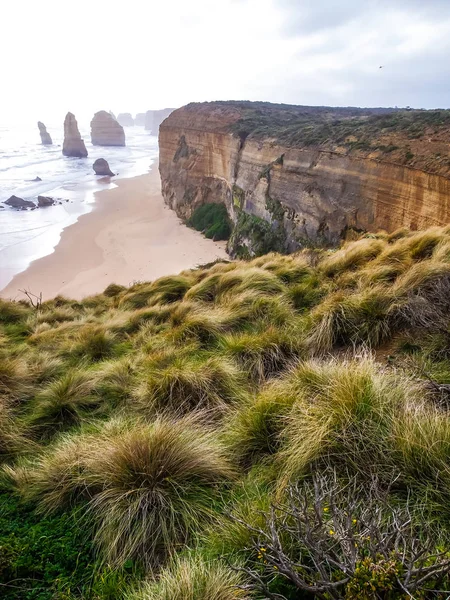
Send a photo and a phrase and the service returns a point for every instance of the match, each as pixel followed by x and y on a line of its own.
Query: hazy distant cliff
pixel 304 175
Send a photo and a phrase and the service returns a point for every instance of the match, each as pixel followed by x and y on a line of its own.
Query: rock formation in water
pixel 106 131
pixel 139 119
pixel 19 203
pixel 125 119
pixel 306 175
pixel 101 167
pixel 73 144
pixel 45 136
pixel 154 118
pixel 44 201
pixel 112 114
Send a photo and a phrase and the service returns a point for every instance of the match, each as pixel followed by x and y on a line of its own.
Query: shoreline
pixel 130 235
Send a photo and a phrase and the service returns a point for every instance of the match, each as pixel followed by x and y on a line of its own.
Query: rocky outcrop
pixel 73 144
pixel 106 131
pixel 139 119
pixel 45 136
pixel 299 195
pixel 125 119
pixel 44 201
pixel 101 167
pixel 19 203
pixel 154 118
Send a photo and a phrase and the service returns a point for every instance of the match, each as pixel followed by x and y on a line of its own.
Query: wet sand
pixel 131 235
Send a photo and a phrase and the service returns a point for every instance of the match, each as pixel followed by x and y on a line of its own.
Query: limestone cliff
pixel 304 175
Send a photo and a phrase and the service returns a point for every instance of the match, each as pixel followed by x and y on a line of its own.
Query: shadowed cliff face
pixel 302 194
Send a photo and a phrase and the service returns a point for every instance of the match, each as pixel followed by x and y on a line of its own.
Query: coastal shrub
pixel 13 312
pixel 212 220
pixel 191 578
pixel 253 236
pixel 342 539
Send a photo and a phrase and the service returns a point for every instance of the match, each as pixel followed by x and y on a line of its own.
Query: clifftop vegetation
pixel 273 428
pixel 413 137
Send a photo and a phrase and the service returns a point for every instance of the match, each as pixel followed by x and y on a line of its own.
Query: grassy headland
pixel 273 428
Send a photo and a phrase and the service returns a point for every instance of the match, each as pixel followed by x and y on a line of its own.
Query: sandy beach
pixel 131 235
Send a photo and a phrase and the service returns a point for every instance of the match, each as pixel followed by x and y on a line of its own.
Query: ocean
pixel 28 235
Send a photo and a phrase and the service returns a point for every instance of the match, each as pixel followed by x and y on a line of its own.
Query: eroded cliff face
pixel 290 196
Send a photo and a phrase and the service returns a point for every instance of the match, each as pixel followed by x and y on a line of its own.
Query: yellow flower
pixel 331 532
pixel 354 521
pixel 262 549
pixel 275 567
pixel 326 509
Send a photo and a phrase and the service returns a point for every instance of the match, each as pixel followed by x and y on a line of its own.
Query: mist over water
pixel 28 235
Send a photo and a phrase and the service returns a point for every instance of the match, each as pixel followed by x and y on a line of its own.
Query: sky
pixel 135 55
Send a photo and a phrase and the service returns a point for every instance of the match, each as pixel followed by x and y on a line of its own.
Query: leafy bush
pixel 212 220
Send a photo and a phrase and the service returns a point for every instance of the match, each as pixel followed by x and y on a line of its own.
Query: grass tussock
pixel 192 578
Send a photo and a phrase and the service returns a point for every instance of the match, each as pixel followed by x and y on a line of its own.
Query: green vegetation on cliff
pixel 272 428
pixel 212 220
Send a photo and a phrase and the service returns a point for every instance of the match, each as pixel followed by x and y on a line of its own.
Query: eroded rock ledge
pixel 305 175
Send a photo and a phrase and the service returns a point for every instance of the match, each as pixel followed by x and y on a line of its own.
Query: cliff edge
pixel 293 176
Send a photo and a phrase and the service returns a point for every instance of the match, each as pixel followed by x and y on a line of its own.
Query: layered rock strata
pixel 106 131
pixel 298 195
pixel 73 144
pixel 45 136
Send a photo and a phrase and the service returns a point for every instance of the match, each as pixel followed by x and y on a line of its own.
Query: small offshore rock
pixel 73 144
pixel 45 201
pixel 45 136
pixel 37 179
pixel 19 203
pixel 101 167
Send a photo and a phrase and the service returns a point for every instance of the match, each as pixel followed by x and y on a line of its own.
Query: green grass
pixel 134 422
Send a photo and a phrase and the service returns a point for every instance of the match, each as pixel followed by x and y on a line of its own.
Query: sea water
pixel 28 235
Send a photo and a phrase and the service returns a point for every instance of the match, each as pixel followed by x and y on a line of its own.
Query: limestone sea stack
pixel 106 131
pixel 45 136
pixel 101 167
pixel 154 118
pixel 73 144
pixel 139 119
pixel 125 119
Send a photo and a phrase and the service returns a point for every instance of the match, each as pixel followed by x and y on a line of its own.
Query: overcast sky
pixel 129 56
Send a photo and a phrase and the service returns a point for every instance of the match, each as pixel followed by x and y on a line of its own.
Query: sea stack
pixel 154 118
pixel 125 119
pixel 139 119
pixel 101 167
pixel 45 136
pixel 106 131
pixel 73 144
